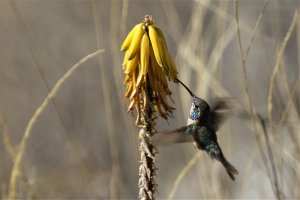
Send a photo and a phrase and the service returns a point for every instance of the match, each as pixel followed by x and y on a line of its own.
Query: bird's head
pixel 199 109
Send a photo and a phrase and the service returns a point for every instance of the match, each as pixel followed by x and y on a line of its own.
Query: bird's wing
pixel 180 135
pixel 218 113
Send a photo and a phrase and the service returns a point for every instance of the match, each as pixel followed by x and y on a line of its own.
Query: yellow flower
pixel 147 64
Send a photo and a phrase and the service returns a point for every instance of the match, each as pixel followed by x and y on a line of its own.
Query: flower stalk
pixel 147 170
pixel 148 66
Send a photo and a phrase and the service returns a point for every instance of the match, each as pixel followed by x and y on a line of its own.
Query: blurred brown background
pixel 76 150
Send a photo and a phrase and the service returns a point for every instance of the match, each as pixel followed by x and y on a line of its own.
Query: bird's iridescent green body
pixel 203 123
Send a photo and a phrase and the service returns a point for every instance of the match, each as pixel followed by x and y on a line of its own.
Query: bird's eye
pixel 196 106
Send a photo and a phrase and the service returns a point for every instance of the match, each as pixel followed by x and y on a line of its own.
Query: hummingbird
pixel 202 124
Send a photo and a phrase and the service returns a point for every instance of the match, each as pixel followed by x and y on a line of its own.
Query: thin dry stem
pixel 221 45
pixel 40 68
pixel 248 173
pixel 173 19
pixel 115 178
pixel 275 69
pixel 245 27
pixel 124 16
pixel 12 153
pixel 16 170
pixel 278 60
pixel 117 62
pixel 182 174
pixel 250 105
pixel 290 108
pixel 287 112
pixel 255 27
pixel 7 141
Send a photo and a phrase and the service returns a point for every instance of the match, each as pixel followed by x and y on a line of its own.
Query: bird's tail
pixel 215 152
pixel 231 170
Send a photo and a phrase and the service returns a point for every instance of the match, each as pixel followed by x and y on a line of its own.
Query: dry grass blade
pixel 250 105
pixel 115 177
pixel 226 16
pixel 30 46
pixel 12 153
pixel 116 30
pixel 271 156
pixel 6 140
pixel 29 42
pixel 278 60
pixel 221 45
pixel 289 102
pixel 255 27
pixel 123 18
pixel 40 68
pixel 248 173
pixel 275 69
pixel 21 151
pixel 182 174
pixel 173 19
